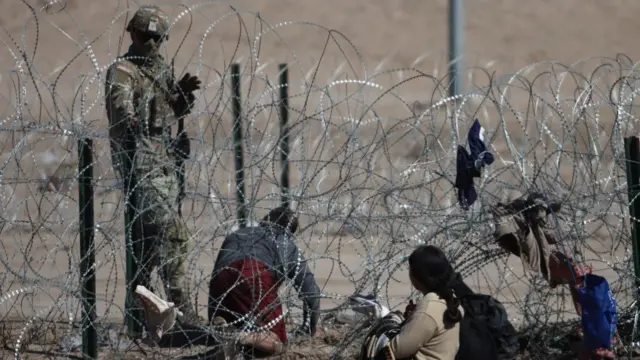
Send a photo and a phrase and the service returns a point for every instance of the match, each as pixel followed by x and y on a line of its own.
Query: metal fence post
pixel 456 46
pixel 284 133
pixel 237 145
pixel 87 249
pixel 133 239
pixel 632 154
pixel 632 157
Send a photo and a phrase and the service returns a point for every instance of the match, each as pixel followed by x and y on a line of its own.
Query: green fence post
pixel 133 239
pixel 237 145
pixel 632 155
pixel 284 133
pixel 87 249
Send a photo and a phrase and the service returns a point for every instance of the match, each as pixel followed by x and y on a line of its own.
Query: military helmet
pixel 149 19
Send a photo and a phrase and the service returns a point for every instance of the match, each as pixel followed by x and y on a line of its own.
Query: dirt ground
pixel 39 233
pixel 337 341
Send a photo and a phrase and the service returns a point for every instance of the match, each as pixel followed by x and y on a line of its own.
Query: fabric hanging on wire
pixel 469 165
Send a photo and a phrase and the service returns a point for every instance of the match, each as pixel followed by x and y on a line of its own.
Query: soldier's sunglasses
pixel 156 38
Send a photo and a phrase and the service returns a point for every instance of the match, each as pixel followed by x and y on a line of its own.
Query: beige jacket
pixel 424 336
pixel 525 232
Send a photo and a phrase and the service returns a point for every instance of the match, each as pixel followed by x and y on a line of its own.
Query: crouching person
pixel 243 292
pixel 525 228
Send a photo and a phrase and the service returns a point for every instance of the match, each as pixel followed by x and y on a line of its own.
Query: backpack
pixel 485 330
pixel 380 333
pixel 599 313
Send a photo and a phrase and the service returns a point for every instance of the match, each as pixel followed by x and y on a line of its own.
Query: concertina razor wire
pixel 372 161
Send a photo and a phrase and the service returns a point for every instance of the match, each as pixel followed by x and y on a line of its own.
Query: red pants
pixel 247 287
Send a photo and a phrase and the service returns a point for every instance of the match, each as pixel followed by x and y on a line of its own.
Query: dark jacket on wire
pixel 470 164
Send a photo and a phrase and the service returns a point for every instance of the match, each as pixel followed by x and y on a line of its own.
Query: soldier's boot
pixel 190 316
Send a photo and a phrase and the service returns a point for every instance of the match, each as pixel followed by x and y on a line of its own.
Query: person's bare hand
pixel 410 309
pixel 268 341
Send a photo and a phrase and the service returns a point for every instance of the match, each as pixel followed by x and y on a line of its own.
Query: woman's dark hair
pixel 430 267
pixel 283 217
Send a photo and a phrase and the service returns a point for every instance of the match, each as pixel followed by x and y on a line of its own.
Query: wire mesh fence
pixel 371 163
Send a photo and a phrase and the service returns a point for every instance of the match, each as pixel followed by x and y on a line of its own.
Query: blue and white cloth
pixel 469 165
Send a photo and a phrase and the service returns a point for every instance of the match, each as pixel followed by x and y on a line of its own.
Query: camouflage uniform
pixel 140 111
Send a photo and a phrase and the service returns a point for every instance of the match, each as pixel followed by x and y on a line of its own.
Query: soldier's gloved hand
pixel 182 146
pixel 189 83
pixel 184 94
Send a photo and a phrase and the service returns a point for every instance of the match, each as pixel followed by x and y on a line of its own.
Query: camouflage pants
pixel 164 235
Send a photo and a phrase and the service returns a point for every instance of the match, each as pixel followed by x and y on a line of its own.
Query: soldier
pixel 142 102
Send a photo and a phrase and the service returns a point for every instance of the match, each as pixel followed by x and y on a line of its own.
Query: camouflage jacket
pixel 140 113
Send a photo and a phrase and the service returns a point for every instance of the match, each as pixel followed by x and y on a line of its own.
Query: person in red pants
pixel 252 264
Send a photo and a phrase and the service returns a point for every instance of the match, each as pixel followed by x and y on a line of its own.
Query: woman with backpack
pixel 432 328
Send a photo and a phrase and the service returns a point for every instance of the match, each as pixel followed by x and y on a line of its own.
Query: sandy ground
pixel 40 242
